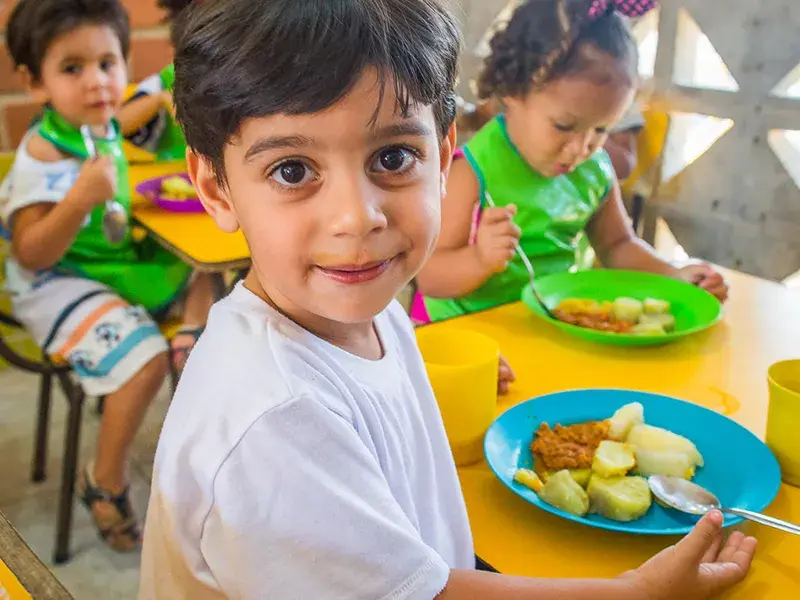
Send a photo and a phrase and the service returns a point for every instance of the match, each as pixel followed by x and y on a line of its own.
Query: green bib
pixel 552 213
pixel 141 273
pixel 172 145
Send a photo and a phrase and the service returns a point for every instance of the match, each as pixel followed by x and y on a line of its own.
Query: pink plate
pixel 151 189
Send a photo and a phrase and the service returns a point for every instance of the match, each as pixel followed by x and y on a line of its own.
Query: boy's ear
pixel 448 146
pixel 215 197
pixel 33 85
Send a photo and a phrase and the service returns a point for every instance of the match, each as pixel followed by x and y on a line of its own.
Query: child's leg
pixel 122 415
pixel 199 298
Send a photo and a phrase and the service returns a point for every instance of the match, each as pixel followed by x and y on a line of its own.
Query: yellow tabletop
pixel 194 237
pixel 724 369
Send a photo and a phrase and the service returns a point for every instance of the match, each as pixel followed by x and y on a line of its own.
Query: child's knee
pixel 157 369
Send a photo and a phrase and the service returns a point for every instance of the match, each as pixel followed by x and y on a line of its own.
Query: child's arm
pixel 697 567
pixel 42 233
pixel 616 244
pixel 138 112
pixel 618 247
pixel 457 267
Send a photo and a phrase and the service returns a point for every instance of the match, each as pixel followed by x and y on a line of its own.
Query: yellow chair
pixel 643 182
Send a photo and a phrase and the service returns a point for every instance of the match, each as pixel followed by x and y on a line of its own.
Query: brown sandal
pixel 113 515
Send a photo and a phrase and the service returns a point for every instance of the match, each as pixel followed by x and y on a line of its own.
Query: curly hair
pixel 545 40
pixel 244 59
pixel 34 24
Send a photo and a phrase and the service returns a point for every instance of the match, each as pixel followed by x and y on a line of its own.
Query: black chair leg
pixel 39 471
pixel 69 468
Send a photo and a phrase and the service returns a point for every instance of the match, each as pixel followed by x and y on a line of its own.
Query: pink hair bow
pixel 629 8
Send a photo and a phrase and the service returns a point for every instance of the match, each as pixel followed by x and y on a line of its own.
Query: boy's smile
pixel 340 207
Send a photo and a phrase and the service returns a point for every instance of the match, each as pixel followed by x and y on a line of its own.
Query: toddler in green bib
pixel 86 300
pixel 542 164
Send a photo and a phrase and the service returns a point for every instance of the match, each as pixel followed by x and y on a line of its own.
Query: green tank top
pixel 172 145
pixel 552 213
pixel 142 273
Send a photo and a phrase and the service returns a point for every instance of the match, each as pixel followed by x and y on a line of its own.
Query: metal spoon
pixel 529 267
pixel 690 498
pixel 115 219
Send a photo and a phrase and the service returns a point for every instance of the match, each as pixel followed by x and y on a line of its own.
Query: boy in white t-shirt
pixel 303 456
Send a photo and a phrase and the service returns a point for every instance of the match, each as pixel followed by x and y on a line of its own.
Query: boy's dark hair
pixel 548 39
pixel 34 24
pixel 174 7
pixel 243 59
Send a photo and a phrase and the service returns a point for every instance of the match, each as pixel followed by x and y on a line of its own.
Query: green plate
pixel 694 309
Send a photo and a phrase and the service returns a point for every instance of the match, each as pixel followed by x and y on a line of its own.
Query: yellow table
pixel 724 369
pixel 193 237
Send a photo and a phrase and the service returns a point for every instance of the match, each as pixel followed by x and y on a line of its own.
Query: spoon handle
pixel 764 520
pixel 528 266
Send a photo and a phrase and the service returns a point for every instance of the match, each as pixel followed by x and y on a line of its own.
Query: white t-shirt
pixel 290 469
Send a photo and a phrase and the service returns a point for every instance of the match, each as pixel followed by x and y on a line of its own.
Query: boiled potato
pixel 628 309
pixel 613 459
pixel 563 492
pixel 529 479
pixel 666 321
pixel 619 498
pixel 647 329
pixel 653 306
pixel 624 419
pixel 647 437
pixel 177 188
pixel 671 464
pixel 581 476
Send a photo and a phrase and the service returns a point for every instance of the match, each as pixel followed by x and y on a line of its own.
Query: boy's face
pixel 83 75
pixel 339 213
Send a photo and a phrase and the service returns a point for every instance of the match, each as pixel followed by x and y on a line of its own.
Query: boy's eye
pixel 564 128
pixel 393 160
pixel 292 173
pixel 72 69
pixel 107 65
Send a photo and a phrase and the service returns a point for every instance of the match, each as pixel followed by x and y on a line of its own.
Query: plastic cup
pixel 783 422
pixel 462 367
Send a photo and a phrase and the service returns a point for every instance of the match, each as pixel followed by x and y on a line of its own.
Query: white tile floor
pixel 95 572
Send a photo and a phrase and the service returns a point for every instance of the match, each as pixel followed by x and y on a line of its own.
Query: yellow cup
pixel 462 366
pixel 783 423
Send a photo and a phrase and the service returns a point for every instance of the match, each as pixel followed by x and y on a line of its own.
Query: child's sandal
pixel 114 518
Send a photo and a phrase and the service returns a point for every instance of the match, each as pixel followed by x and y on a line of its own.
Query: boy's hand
pixel 497 237
pixel 97 182
pixel 505 375
pixel 168 102
pixel 701 565
pixel 705 277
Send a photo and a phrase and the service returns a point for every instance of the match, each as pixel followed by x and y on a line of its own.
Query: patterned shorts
pixel 105 339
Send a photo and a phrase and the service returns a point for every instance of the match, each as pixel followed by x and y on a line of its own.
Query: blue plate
pixel 739 468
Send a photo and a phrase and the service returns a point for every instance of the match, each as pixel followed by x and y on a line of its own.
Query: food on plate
pixel 177 188
pixel 613 459
pixel 529 479
pixel 628 309
pixel 571 447
pixel 671 464
pixel 654 306
pixel 562 491
pixel 619 498
pixel 624 419
pixel 623 315
pixel 600 466
pixel 655 439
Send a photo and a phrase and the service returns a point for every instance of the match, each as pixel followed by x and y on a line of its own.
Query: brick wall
pixel 150 52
